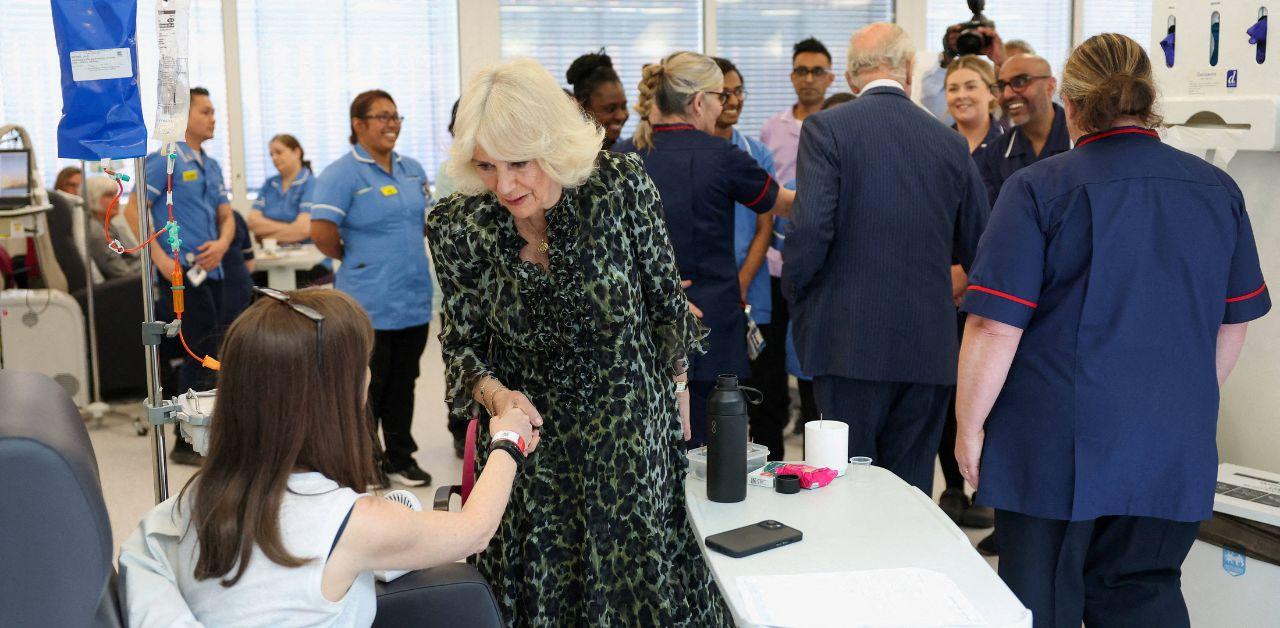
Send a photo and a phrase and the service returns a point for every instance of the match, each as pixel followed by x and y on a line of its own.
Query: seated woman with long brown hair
pixel 276 529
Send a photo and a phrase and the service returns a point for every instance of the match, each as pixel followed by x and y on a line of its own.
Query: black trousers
pixel 947 446
pixel 769 419
pixel 897 424
pixel 201 326
pixel 393 373
pixel 1110 571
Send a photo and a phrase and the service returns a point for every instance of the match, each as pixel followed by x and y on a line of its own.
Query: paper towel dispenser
pixel 1218 87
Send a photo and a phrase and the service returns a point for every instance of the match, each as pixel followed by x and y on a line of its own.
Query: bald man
pixel 1025 90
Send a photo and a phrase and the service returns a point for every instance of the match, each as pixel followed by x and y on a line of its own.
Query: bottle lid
pixel 729 380
pixel 787 484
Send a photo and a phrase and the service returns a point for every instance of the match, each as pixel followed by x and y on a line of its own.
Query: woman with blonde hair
pixel 1089 433
pixel 971 100
pixel 561 298
pixel 700 178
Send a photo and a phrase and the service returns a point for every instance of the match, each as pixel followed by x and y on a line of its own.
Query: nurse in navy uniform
pixel 1107 305
pixel 700 177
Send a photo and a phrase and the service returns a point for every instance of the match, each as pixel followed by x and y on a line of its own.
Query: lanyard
pixel 1121 131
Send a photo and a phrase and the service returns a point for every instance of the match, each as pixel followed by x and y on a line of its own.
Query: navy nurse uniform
pixel 699 177
pixel 1120 260
pixel 998 160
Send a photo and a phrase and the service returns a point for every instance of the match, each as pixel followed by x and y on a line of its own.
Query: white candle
pixel 826 444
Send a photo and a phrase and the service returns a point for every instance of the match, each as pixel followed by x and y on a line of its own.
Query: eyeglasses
pixel 737 92
pixel 385 118
pixel 310 313
pixel 1018 83
pixel 803 72
pixel 723 96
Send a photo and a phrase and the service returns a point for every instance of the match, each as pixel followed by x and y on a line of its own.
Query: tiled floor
pixel 124 459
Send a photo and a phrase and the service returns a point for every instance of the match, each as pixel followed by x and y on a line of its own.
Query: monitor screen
pixel 15 177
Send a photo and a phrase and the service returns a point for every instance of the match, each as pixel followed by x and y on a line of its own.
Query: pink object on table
pixel 810 477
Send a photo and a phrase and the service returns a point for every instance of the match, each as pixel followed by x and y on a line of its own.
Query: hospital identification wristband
pixel 509 436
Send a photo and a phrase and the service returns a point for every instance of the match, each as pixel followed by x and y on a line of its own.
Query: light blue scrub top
pixel 284 206
pixel 759 295
pixel 381 218
pixel 198 190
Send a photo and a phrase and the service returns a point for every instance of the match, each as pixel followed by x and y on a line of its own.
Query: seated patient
pixel 275 529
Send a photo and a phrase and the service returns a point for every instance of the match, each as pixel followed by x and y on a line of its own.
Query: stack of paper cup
pixel 826 444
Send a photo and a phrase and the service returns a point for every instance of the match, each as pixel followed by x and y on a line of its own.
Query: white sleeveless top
pixel 268 594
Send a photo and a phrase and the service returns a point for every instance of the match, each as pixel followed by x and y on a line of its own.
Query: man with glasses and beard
pixel 1025 89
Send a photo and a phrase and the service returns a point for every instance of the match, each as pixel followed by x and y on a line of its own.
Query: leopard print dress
pixel 596 533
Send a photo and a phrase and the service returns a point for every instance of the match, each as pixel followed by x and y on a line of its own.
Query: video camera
pixel 970 41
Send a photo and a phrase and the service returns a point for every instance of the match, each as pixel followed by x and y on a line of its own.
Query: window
pixel 1045 24
pixel 757 35
pixel 1127 17
pixel 299 71
pixel 633 33
pixel 30 77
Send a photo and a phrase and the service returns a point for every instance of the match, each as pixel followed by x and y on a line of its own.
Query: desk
pixel 882 524
pixel 282 267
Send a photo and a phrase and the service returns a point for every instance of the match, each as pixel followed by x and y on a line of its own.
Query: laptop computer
pixel 15 178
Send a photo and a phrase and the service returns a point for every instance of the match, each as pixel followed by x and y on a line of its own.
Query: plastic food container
pixel 756 457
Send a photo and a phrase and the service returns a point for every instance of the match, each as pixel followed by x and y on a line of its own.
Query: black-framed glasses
pixel 803 72
pixel 1019 82
pixel 723 96
pixel 310 313
pixel 737 92
pixel 386 118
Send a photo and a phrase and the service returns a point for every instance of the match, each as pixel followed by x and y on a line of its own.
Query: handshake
pixel 515 413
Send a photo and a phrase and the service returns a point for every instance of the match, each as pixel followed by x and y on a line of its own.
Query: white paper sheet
pixel 884 597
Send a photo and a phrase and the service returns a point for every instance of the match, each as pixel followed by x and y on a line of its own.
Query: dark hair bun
pixel 584 66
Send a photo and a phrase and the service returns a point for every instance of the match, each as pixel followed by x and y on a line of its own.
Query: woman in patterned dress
pixel 561 297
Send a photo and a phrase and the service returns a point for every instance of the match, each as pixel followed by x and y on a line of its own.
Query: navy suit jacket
pixel 887 196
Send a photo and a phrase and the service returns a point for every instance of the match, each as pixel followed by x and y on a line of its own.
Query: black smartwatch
pixel 511 448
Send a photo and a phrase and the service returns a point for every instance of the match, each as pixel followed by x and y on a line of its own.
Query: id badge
pixel 195 274
pixel 755 339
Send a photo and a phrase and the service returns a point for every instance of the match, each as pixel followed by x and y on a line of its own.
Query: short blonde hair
pixel 515 111
pixel 670 86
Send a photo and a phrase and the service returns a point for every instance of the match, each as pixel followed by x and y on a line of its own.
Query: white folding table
pixel 883 523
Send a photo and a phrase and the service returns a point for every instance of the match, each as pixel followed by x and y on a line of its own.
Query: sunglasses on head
pixel 310 313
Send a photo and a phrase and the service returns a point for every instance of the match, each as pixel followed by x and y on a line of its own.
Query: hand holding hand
pixel 211 253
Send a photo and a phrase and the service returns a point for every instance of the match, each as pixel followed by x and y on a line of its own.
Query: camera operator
pixel 976 36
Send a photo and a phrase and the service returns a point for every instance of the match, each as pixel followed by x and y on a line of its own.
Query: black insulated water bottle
pixel 727 441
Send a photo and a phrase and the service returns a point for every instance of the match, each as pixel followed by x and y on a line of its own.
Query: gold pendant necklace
pixel 543 246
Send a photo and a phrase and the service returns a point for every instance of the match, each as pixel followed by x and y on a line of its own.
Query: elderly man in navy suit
pixel 886 195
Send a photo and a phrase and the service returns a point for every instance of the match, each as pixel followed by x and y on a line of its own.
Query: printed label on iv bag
pixel 95 65
pixel 172 90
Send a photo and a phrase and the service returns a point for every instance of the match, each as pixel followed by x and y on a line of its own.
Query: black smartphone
pixel 754 538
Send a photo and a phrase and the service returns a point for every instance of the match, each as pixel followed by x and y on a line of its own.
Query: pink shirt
pixel 781 133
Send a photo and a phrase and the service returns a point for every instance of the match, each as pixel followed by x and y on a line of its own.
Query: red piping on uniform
pixel 767 181
pixel 1112 132
pixel 1003 295
pixel 1246 297
pixel 658 128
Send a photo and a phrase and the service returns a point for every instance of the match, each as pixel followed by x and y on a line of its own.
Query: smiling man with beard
pixel 1025 90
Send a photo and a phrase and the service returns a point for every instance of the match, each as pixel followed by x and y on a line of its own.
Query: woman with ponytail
pixel 597 88
pixel 700 177
pixel 1107 305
